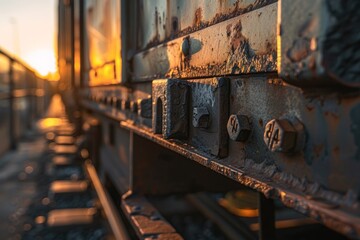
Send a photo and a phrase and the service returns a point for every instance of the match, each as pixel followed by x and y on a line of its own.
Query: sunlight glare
pixel 43 61
pixel 49 123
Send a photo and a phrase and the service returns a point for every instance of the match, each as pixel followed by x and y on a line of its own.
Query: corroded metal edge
pixel 166 27
pixel 242 45
pixel 317 209
pixel 145 219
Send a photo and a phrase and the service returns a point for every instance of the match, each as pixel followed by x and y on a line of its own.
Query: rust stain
pixel 199 23
pixel 174 25
pixel 318 150
pixel 198 17
pixel 261 122
pixel 331 114
pixel 237 37
pixel 310 106
pixel 299 50
pixel 228 30
pixel 156 39
pixel 243 59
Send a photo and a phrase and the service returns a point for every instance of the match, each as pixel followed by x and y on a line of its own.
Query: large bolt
pixel 281 136
pixel 185 46
pixel 201 117
pixel 239 128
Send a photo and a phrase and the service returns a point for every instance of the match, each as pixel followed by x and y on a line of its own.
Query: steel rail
pixel 116 224
pixel 232 229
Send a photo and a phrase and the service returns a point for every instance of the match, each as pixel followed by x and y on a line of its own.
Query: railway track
pixel 69 202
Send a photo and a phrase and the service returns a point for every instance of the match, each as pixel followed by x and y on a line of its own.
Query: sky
pixel 28 30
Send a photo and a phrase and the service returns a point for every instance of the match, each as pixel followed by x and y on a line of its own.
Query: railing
pixel 23 98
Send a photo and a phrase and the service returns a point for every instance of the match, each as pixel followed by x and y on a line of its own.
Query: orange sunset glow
pixel 44 61
pixel 31 37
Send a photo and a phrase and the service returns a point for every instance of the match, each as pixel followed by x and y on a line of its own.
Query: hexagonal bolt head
pixel 185 46
pixel 238 128
pixel 201 117
pixel 280 136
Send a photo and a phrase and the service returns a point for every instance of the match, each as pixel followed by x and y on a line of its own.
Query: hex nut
pixel 238 127
pixel 280 135
pixel 201 117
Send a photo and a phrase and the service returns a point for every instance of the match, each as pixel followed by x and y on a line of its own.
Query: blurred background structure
pixel 29 32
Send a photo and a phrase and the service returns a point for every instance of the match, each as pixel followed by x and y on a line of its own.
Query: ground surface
pixel 25 177
pixel 19 175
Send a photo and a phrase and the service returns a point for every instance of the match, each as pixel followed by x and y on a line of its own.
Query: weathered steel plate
pixel 242 45
pixel 161 20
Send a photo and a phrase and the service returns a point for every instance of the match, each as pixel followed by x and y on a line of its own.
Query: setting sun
pixel 43 61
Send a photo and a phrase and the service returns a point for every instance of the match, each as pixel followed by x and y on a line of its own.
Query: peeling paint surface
pixel 164 20
pixel 235 46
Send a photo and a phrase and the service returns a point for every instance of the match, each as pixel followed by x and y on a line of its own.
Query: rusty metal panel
pixel 77 35
pixel 292 136
pixel 321 47
pixel 242 45
pixel 162 20
pixel 325 125
pixel 65 44
pixel 103 41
